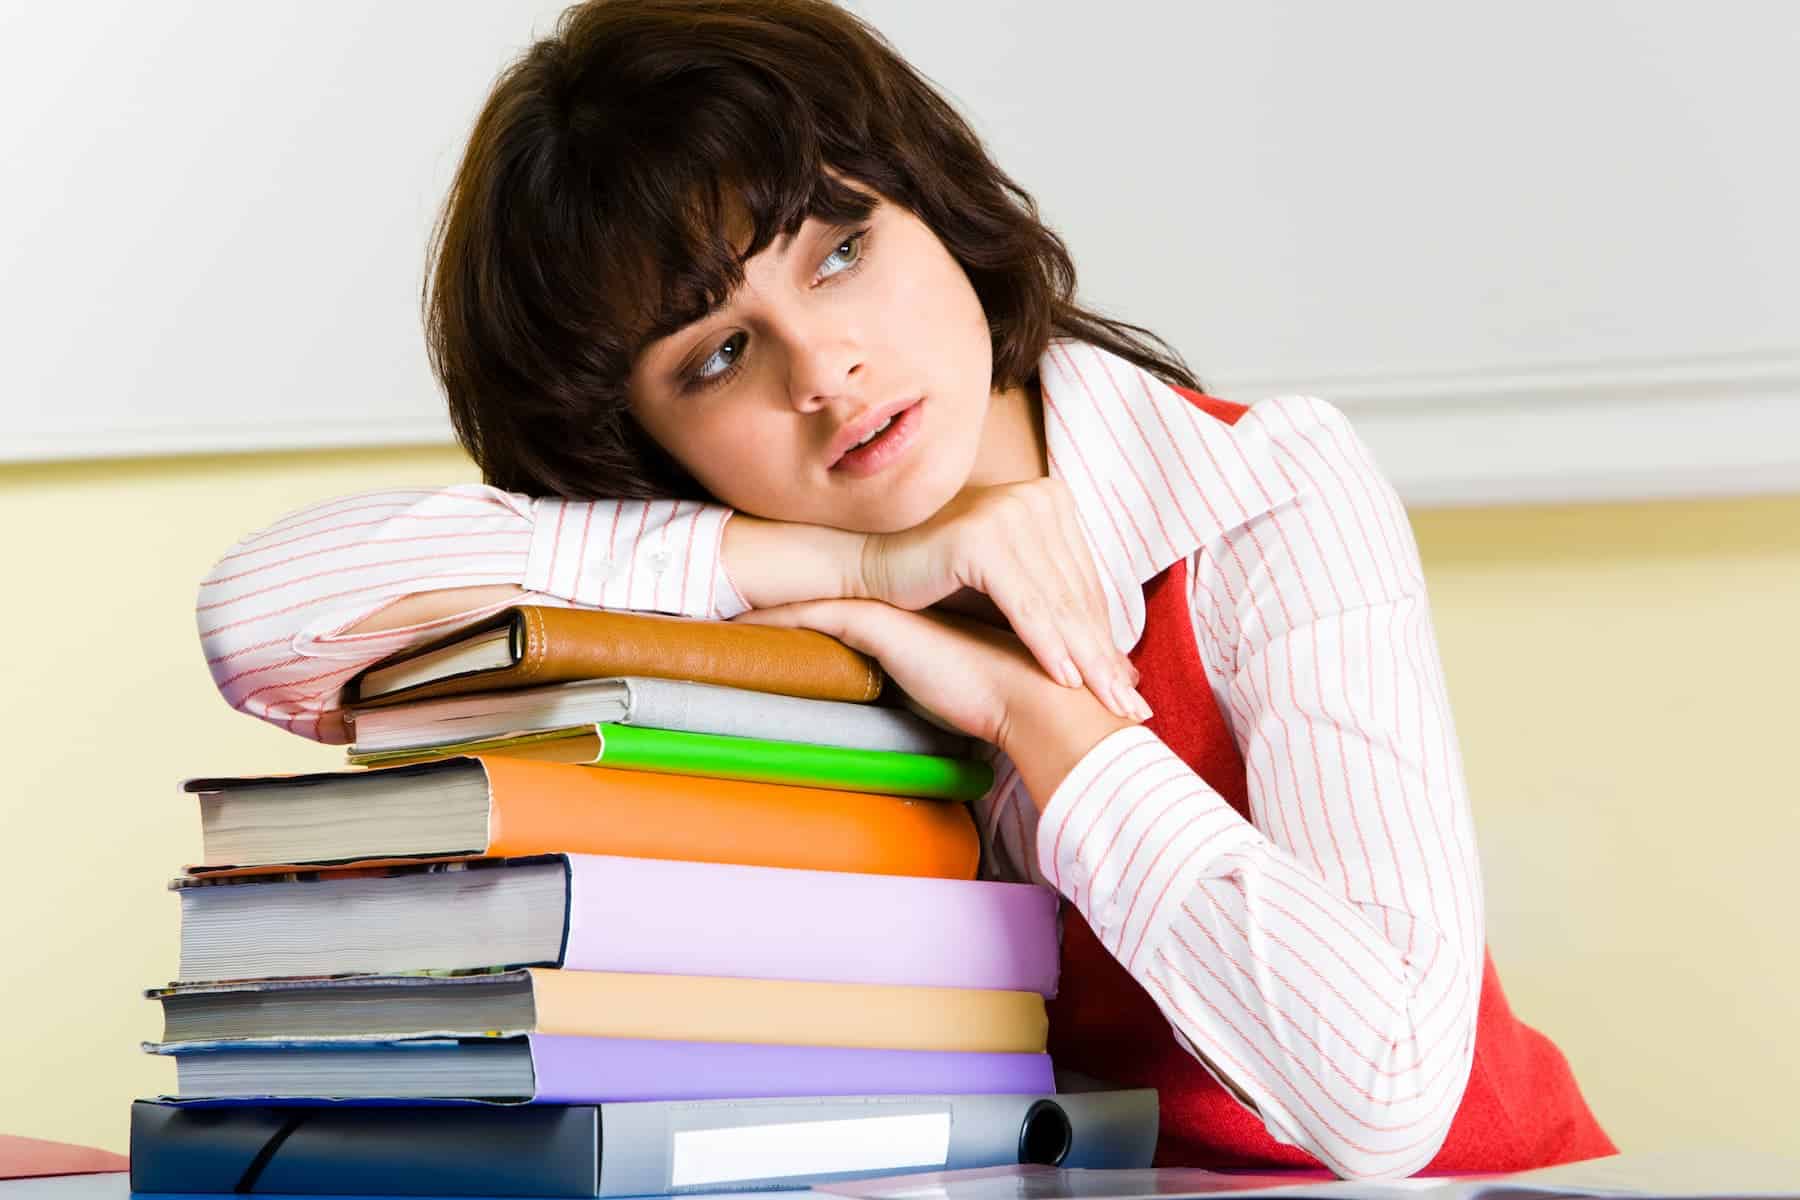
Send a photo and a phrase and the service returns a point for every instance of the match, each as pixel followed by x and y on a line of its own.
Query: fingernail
pixel 1118 699
pixel 1140 708
pixel 1136 675
pixel 1067 674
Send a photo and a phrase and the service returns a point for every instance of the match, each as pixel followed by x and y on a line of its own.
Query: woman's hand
pixel 1021 545
pixel 969 676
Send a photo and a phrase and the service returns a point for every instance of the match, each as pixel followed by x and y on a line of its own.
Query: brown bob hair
pixel 593 208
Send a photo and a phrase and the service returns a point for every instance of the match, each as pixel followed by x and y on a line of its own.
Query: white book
pixel 653 703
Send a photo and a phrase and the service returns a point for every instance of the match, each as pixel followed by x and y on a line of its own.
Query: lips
pixel 887 448
pixel 855 431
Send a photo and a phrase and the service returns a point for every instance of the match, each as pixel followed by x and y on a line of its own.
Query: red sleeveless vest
pixel 1521 1108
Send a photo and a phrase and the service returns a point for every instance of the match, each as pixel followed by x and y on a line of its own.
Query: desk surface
pixel 116 1185
pixel 1681 1174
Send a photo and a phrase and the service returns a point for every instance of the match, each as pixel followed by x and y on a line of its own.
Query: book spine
pixel 760 760
pixel 762 923
pixel 601 1070
pixel 569 643
pixel 555 808
pixel 687 1008
pixel 717 1145
pixel 714 1145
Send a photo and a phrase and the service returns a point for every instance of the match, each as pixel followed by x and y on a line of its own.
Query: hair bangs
pixel 675 259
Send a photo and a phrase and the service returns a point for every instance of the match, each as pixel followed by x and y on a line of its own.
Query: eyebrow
pixel 672 320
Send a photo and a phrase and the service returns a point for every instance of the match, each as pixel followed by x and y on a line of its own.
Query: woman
pixel 738 258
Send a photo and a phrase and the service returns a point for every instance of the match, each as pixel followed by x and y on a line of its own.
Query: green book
pixel 670 752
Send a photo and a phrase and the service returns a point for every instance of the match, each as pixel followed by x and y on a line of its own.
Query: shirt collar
pixel 1153 476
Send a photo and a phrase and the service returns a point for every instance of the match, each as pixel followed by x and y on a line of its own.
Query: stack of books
pixel 681 880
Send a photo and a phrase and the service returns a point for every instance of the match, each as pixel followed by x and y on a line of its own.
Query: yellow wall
pixel 1622 679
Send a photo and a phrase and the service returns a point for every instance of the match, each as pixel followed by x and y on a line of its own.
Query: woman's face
pixel 831 334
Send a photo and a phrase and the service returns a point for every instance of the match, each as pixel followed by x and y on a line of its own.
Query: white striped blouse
pixel 1325 957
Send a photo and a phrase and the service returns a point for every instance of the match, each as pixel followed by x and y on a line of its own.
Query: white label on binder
pixel 918 1141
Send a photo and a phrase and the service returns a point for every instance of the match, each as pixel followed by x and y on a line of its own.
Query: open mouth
pixel 885 445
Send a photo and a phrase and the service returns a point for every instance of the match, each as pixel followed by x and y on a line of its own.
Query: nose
pixel 826 364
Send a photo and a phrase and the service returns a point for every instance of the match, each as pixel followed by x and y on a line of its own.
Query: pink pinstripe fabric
pixel 272 612
pixel 1325 957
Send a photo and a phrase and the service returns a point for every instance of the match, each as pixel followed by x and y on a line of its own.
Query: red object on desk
pixel 29 1158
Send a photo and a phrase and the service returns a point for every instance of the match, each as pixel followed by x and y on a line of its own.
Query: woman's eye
pixel 721 359
pixel 848 253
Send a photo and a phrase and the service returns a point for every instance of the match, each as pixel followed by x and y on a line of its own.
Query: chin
pixel 919 503
pixel 888 520
pixel 915 509
pixel 909 500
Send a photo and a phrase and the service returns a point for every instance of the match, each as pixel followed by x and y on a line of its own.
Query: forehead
pixel 698 264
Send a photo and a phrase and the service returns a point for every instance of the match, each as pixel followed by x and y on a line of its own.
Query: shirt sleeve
pixel 1325 957
pixel 274 611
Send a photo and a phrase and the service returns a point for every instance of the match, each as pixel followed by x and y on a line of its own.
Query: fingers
pixel 1082 613
pixel 1023 546
pixel 1044 601
pixel 1086 627
pixel 925 714
pixel 865 626
pixel 1078 557
pixel 1037 615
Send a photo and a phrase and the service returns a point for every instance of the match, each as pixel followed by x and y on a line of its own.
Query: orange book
pixel 459 808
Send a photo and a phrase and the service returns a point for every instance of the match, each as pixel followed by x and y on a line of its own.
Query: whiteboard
pixel 1538 251
pixel 216 216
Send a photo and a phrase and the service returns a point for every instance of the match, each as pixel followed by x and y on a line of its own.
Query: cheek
pixel 745 463
pixel 935 305
pixel 960 325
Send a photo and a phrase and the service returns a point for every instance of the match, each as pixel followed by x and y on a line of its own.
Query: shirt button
pixel 659 561
pixel 1078 874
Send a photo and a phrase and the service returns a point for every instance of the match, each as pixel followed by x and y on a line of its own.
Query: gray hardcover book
pixel 732 712
pixel 613 1150
pixel 676 704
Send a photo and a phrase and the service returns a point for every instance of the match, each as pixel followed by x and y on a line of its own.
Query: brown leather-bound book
pixel 529 645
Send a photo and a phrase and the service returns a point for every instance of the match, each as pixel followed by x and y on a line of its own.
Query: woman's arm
pixel 765 563
pixel 1326 960
pixel 291 612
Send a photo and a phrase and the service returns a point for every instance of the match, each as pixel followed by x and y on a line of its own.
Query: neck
pixel 1012 446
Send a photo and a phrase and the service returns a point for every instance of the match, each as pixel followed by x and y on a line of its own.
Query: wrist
pixel 782 562
pixel 861 552
pixel 1049 730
